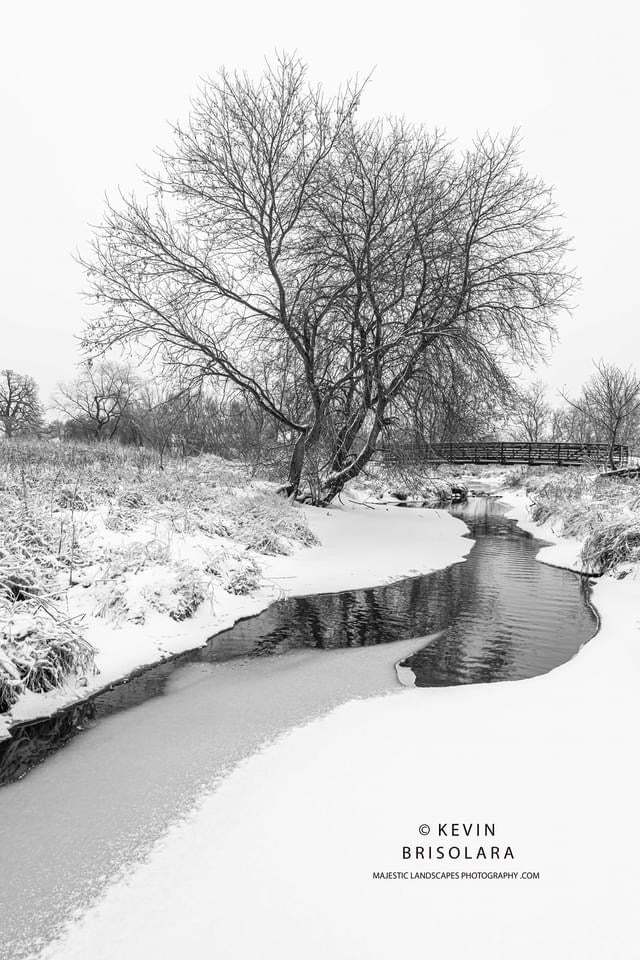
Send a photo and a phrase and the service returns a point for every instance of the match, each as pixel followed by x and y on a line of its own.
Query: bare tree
pixel 99 397
pixel 531 413
pixel 449 400
pixel 609 405
pixel 159 413
pixel 318 264
pixel 20 408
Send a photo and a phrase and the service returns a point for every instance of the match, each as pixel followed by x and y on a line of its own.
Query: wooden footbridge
pixel 514 452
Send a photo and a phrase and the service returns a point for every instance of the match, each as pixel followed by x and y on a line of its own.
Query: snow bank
pixel 364 547
pixel 359 546
pixel 291 839
pixel 562 551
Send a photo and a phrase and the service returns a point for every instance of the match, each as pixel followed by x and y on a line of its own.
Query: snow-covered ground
pixel 278 862
pixel 563 551
pixel 359 546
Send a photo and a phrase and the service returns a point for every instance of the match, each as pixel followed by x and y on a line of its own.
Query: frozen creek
pixel 98 805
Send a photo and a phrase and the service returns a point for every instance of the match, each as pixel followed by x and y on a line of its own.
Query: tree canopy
pixel 322 265
pixel 20 408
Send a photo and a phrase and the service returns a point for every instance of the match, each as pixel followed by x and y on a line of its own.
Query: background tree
pixel 531 413
pixel 319 265
pixel 609 405
pixel 448 401
pixel 99 398
pixel 20 408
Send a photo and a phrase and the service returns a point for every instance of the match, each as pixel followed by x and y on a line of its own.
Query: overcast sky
pixel 87 90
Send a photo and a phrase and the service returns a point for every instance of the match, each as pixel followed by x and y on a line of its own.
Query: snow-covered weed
pixel 180 594
pixel 96 517
pixel 39 650
pixel 237 574
pixel 111 603
pixel 611 544
pixel 601 511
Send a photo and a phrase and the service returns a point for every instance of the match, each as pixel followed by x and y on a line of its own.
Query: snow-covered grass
pixel 98 532
pixel 603 513
pixel 298 830
pixel 132 563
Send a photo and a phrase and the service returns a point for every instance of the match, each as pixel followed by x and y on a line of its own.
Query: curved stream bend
pixel 97 806
pixel 498 615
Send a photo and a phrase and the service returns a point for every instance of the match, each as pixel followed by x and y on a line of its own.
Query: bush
pixel 39 650
pixel 612 544
pixel 180 595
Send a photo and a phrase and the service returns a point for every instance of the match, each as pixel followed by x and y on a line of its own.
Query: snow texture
pixel 278 861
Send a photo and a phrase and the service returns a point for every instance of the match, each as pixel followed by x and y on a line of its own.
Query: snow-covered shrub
pixel 133 556
pixel 270 524
pixel 39 650
pixel 237 574
pixel 132 499
pixel 243 578
pixel 180 594
pixel 611 544
pixel 601 511
pixel 516 477
pixel 111 603
pixel 72 499
pixel 19 581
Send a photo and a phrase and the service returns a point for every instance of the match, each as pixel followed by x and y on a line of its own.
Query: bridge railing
pixel 511 452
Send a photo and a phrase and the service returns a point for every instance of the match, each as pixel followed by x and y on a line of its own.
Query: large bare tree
pixel 20 408
pixel 319 263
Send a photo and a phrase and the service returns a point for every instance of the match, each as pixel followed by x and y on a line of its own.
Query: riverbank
pixel 547 762
pixel 140 565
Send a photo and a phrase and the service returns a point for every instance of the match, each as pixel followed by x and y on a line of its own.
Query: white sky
pixel 87 88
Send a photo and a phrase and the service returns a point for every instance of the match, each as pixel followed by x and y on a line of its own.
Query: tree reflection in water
pixel 499 615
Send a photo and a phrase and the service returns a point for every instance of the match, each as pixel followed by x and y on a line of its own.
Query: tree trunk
pixel 346 438
pixel 335 482
pixel 292 487
pixel 611 446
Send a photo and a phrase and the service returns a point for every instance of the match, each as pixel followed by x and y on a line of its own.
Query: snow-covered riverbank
pixel 292 837
pixel 358 546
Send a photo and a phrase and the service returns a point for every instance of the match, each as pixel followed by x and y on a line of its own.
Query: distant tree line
pixel 109 401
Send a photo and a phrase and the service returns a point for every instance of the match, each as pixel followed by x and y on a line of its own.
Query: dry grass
pixel 181 594
pixel 611 545
pixel 39 649
pixel 603 513
pixel 54 497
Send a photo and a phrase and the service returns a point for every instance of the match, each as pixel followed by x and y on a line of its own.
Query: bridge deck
pixel 516 452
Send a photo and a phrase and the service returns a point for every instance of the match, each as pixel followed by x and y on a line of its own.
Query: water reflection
pixel 501 616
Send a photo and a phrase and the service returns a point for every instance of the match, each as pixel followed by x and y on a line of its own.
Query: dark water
pixel 499 615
